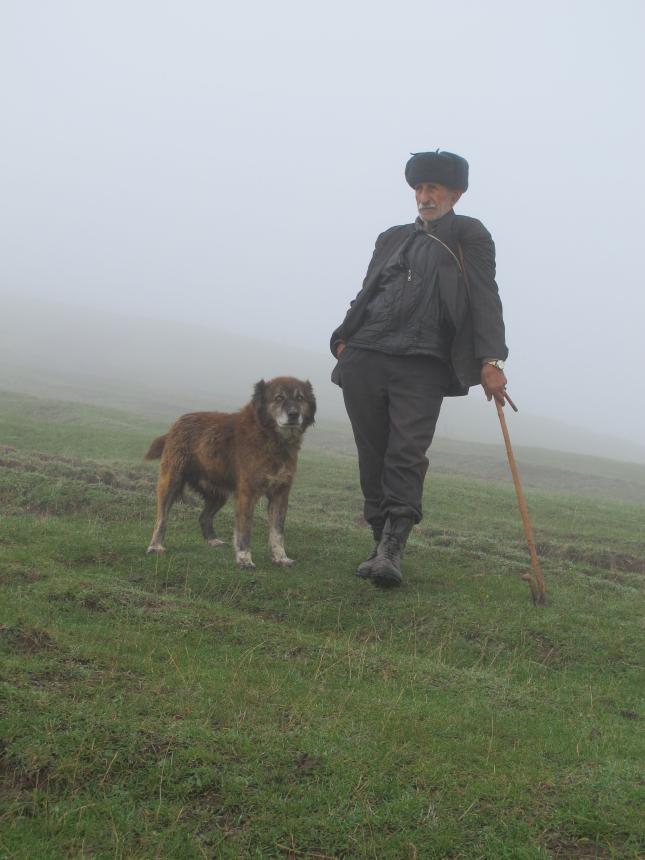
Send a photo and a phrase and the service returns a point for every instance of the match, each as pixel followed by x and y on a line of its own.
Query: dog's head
pixel 285 403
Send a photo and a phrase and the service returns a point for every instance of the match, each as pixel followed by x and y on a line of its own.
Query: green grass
pixel 175 707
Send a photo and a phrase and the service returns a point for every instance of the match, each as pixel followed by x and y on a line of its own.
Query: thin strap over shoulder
pixel 449 250
pixel 462 266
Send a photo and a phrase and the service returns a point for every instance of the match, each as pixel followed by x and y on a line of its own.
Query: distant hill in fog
pixel 167 368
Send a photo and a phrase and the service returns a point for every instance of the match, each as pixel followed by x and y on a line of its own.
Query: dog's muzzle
pixel 290 419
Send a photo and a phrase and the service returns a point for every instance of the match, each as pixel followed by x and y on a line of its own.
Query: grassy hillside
pixel 77 428
pixel 77 354
pixel 175 707
pixel 542 469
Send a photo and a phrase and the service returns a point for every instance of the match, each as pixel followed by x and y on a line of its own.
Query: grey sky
pixel 233 166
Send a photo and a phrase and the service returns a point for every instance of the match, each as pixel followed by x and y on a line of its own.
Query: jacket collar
pixel 442 226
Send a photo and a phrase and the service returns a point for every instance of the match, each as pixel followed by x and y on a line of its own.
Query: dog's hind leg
pixel 169 487
pixel 244 507
pixel 278 501
pixel 212 505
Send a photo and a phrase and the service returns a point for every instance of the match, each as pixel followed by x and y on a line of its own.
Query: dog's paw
pixel 284 562
pixel 245 565
pixel 155 549
pixel 244 561
pixel 215 542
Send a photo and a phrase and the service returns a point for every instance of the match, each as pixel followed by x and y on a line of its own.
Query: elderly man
pixel 426 324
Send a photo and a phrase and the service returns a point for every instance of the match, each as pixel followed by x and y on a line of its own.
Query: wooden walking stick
pixel 538 590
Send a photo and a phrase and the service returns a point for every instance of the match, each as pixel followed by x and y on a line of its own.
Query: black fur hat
pixel 445 168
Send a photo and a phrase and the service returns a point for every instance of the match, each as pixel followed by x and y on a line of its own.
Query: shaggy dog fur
pixel 250 453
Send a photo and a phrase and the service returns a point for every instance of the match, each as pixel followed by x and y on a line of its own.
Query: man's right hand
pixel 340 348
pixel 493 382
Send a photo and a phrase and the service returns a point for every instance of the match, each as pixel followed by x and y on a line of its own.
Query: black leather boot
pixel 364 569
pixel 385 570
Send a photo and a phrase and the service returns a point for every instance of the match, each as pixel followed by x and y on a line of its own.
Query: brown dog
pixel 250 453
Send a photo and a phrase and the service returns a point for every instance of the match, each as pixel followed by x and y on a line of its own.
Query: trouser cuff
pixel 403 512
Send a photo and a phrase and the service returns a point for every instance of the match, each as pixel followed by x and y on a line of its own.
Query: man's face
pixel 433 200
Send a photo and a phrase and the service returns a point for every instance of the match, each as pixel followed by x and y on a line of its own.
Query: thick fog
pixel 231 165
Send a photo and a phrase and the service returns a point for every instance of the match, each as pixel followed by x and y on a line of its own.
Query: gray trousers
pixel 393 403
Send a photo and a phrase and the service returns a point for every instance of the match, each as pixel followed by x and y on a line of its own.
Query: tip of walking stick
pixel 537 595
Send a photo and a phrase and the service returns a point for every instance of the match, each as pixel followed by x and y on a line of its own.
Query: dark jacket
pixel 474 310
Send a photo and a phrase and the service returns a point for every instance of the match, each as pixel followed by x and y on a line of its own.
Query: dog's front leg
pixel 244 507
pixel 278 501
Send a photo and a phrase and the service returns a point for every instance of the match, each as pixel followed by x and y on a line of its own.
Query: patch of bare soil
pixel 23 639
pixel 16 778
pixel 306 764
pixel 98 600
pixel 575 849
pixel 84 471
pixel 601 559
pixel 548 653
pixel 14 574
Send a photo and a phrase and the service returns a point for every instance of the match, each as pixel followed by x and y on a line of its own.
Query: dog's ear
pixel 259 400
pixel 311 401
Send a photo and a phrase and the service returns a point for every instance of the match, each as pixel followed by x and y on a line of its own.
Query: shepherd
pixel 426 324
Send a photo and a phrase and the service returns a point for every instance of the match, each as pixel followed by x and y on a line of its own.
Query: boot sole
pixel 383 581
pixel 380 580
pixel 385 575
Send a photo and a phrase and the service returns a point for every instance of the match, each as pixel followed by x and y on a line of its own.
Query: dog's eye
pixel 300 397
pixel 279 398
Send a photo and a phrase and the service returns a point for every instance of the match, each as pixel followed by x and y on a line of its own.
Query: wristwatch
pixel 496 362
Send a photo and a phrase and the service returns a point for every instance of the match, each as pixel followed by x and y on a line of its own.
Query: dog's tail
pixel 156 448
